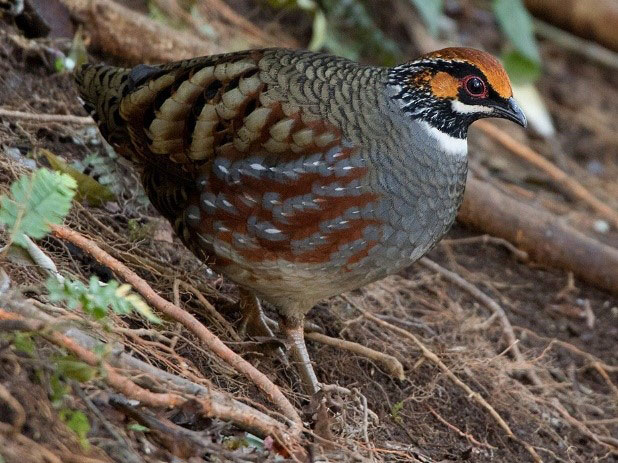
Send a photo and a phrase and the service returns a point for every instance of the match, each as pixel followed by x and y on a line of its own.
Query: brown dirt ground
pixel 539 302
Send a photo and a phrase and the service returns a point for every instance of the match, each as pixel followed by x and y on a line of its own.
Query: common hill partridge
pixel 301 175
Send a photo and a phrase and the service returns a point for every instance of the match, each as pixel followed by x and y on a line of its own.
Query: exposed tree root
pixel 19 415
pixel 211 405
pixel 388 362
pixel 186 319
pixel 454 428
pixel 24 446
pixel 211 310
pixel 485 239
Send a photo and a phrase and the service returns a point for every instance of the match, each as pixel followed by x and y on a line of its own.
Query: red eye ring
pixel 475 86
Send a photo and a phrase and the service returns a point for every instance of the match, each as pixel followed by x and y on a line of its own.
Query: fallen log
pixel 562 179
pixel 128 34
pixel 594 20
pixel 544 236
pixel 122 32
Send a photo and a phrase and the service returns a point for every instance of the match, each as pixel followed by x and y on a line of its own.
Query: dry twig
pixel 122 384
pixel 180 441
pixel 485 239
pixel 562 179
pixel 478 398
pixel 147 374
pixel 187 320
pixel 467 435
pixel 36 452
pixel 492 305
pixel 388 362
pixel 19 415
pixel 46 118
pixel 568 41
pixel 211 310
pixel 509 333
pixel 596 20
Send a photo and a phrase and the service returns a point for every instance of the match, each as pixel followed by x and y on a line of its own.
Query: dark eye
pixel 475 86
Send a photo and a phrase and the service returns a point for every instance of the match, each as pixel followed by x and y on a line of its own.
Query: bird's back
pixel 166 109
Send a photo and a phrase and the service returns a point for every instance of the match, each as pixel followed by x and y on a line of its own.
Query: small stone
pixel 600 226
pixel 15 154
pixel 595 167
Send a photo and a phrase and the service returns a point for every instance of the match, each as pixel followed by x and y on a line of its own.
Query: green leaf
pixel 59 389
pixel 36 201
pixel 320 27
pixel 516 23
pixel 87 188
pixel 138 427
pixel 430 11
pixel 67 290
pixel 78 54
pixel 23 343
pixel 345 28
pixel 521 70
pixel 74 369
pixel 78 422
pixel 235 443
pixel 157 14
pixel 290 4
pixel 96 298
pixel 139 306
pixel 59 65
pixel 254 441
pixel 101 349
pixel 395 410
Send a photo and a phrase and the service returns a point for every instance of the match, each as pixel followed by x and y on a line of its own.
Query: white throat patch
pixel 463 108
pixel 450 145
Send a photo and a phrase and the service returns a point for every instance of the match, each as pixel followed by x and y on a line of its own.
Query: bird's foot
pixel 255 324
pixel 333 405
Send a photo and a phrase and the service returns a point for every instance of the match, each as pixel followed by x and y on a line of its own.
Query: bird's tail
pixel 102 88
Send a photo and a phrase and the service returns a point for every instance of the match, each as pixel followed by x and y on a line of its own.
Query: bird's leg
pixel 293 329
pixel 253 321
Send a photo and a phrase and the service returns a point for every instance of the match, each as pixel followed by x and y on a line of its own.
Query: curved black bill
pixel 512 112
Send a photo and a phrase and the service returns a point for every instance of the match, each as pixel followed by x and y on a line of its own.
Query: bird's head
pixel 451 88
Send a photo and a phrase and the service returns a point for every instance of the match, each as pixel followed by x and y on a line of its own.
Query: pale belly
pixel 298 286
